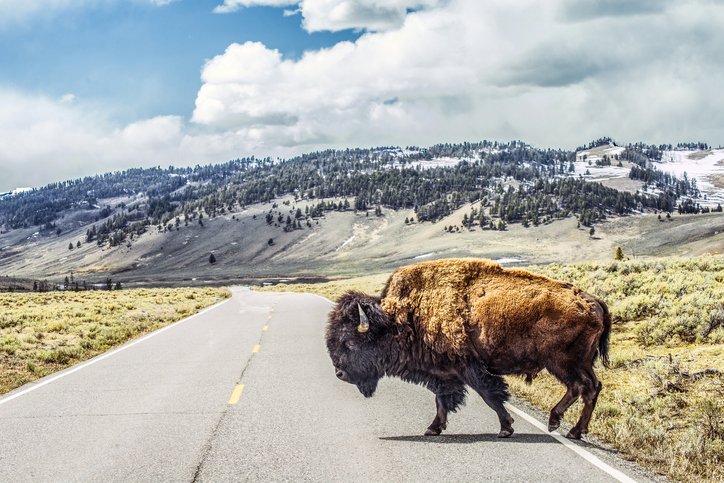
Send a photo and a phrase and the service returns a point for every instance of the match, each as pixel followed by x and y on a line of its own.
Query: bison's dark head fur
pixel 358 349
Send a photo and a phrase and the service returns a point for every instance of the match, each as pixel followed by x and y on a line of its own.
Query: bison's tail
pixel 603 341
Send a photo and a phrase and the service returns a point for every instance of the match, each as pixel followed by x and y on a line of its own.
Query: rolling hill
pixel 337 213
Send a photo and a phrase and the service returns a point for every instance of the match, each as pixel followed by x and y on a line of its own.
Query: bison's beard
pixel 368 387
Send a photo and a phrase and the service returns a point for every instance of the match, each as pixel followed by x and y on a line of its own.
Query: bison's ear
pixel 364 322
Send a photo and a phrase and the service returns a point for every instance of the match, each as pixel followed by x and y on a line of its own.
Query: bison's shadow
pixel 492 438
pixel 474 438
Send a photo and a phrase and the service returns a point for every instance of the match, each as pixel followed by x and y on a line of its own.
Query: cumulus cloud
pixel 450 71
pixel 333 15
pixel 466 69
pixel 44 140
pixel 592 9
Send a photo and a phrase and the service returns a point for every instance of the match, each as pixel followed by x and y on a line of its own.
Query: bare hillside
pixel 345 243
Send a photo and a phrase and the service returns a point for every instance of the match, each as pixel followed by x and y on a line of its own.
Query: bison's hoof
pixel 573 434
pixel 505 433
pixel 433 432
pixel 554 422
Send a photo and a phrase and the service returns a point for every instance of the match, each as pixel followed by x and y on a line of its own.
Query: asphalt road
pixel 245 391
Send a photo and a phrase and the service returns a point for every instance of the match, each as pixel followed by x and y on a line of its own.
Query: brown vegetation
pixel 41 333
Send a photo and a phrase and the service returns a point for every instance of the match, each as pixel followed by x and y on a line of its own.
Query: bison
pixel 448 324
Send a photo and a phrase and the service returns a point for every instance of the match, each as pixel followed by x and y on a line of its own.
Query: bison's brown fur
pixel 456 322
pixel 461 305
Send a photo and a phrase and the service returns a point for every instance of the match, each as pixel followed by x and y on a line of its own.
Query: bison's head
pixel 355 340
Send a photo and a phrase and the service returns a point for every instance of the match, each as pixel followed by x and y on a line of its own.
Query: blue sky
pixel 89 86
pixel 137 59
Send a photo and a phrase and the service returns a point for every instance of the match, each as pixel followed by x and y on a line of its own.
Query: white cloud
pixel 456 70
pixel 13 11
pixel 67 98
pixel 233 5
pixel 319 15
pixel 44 140
pixel 466 69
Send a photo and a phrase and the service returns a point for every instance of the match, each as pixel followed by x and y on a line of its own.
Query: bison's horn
pixel 364 323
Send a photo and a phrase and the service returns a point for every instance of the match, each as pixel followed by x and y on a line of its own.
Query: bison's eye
pixel 351 345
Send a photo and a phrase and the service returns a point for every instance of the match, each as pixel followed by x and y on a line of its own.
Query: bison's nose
pixel 341 375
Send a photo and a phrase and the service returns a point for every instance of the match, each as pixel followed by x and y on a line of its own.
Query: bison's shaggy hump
pixel 448 300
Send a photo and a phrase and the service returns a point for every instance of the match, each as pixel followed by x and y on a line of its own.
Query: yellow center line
pixel 265 328
pixel 256 349
pixel 236 394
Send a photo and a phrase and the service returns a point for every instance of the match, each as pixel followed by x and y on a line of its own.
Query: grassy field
pixel 663 399
pixel 41 333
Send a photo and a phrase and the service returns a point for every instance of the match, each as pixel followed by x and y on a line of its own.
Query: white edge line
pixel 99 358
pixel 320 296
pixel 586 455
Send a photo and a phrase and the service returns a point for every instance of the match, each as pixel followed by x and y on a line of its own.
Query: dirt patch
pixel 623 184
pixel 700 154
pixel 717 179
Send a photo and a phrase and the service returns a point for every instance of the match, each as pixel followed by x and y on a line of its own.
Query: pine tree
pixel 70 246
pixel 592 232
pixel 212 259
pixel 619 254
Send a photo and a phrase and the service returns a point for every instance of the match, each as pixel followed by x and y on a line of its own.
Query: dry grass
pixel 662 402
pixel 41 333
pixel 717 179
pixel 371 284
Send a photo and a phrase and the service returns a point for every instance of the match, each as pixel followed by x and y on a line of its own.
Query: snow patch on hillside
pixel 14 192
pixel 583 158
pixel 441 162
pixel 700 166
pixel 598 172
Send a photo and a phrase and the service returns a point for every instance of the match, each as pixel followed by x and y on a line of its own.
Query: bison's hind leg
pixel 579 382
pixel 449 396
pixel 566 373
pixel 591 388
pixel 494 391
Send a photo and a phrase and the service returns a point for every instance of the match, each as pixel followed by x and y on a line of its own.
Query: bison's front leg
pixel 449 397
pixel 440 421
pixel 494 391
